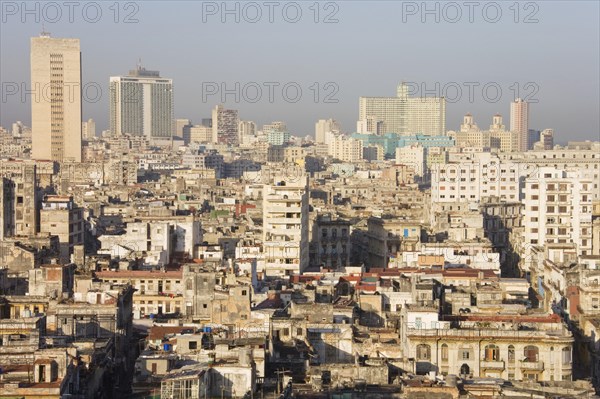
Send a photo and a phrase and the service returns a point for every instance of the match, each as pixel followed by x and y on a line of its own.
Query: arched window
pixel 492 353
pixel 531 353
pixel 567 355
pixel 423 352
pixel 465 369
pixel 444 352
pixel 511 354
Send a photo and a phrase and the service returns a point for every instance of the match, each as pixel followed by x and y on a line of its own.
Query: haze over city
pixel 359 48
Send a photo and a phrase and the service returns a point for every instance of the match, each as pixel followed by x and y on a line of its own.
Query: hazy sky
pixel 546 51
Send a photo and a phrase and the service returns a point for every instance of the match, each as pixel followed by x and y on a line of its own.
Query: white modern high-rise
pixel 405 115
pixel 323 126
pixel 285 225
pixel 56 100
pixel 88 129
pixel 225 126
pixel 141 104
pixel 519 122
pixel 558 208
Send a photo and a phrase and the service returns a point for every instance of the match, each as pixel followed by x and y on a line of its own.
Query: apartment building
pixel 477 175
pixel 558 208
pixel 345 149
pixel 61 217
pixel 285 225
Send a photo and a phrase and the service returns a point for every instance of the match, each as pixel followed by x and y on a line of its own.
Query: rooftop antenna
pixel 43 33
pixel 139 64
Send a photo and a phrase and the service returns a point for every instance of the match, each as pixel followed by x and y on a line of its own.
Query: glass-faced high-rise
pixel 141 104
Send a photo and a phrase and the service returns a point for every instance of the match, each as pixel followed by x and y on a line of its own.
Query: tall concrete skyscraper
pixel 404 114
pixel 56 98
pixel 141 104
pixel 519 122
pixel 225 125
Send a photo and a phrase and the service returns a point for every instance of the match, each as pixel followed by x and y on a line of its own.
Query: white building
pixel 497 137
pixel 155 241
pixel 558 208
pixel 413 155
pixel 584 155
pixel 323 126
pixel 285 226
pixel 477 175
pixel 88 129
pixel 403 114
pixel 247 131
pixel 519 122
pixel 141 104
pixel 346 149
pixel 370 125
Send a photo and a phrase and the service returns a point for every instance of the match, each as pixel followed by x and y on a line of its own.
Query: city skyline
pixel 299 199
pixel 432 62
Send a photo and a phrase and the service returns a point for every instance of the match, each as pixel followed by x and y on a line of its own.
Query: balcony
pixel 534 366
pixel 492 364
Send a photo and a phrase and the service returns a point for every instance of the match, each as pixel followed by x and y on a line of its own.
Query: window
pixel 418 323
pixel 423 352
pixel 531 377
pixel 531 353
pixel 444 352
pixel 567 357
pixel 465 354
pixel 492 353
pixel 193 345
pixel 299 332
